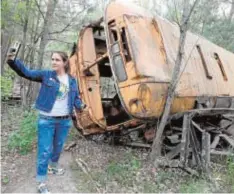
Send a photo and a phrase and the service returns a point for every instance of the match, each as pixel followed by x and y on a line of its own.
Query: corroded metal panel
pixel 154 44
pixel 145 47
pixel 193 74
pixel 88 85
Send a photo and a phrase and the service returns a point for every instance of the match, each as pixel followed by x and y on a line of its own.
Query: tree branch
pixel 68 24
pixel 187 17
pixel 38 6
pixel 57 40
pixel 176 13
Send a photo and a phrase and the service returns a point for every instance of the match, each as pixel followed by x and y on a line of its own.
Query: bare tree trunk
pixel 44 38
pixel 22 56
pixel 231 12
pixel 6 39
pixel 6 42
pixel 34 37
pixel 156 147
pixel 45 31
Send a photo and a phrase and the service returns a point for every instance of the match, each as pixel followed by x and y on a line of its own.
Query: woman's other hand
pixel 83 107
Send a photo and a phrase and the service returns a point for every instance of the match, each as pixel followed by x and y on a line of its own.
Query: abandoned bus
pixel 124 63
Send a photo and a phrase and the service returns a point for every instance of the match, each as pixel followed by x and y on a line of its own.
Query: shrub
pixel 23 139
pixel 7 83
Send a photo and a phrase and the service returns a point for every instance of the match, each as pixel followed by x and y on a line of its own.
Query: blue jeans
pixel 52 133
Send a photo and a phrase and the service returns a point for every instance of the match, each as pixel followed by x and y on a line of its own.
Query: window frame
pixel 119 53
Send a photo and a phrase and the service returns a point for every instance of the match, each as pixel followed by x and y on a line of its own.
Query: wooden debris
pixel 205 151
pixel 70 146
pixel 174 138
pixel 197 126
pixel 228 139
pixel 136 144
pixel 195 144
pixel 215 142
pixel 184 152
pixel 170 155
pixel 84 167
pixel 221 153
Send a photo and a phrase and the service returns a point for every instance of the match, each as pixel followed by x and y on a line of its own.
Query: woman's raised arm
pixel 19 67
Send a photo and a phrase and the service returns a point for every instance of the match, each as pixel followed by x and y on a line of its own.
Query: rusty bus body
pixel 124 66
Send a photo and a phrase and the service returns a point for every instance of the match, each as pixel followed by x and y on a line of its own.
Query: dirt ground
pixel 22 176
pixel 96 167
pixel 105 169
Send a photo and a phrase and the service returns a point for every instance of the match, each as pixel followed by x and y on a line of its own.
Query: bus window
pixel 125 45
pixel 115 48
pixel 118 62
pixel 216 56
pixel 119 68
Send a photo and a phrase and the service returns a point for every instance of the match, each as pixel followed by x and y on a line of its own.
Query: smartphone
pixel 14 49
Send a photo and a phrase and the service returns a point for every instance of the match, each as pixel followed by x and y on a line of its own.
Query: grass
pixel 149 187
pixel 119 172
pixel 230 173
pixel 122 175
pixel 194 186
pixel 124 171
pixel 23 139
pixel 72 134
pixel 5 180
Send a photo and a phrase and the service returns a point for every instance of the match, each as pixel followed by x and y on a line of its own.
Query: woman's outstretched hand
pixel 10 56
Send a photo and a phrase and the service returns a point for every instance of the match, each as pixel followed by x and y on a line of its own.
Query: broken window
pixel 113 36
pixel 115 48
pixel 125 45
pixel 208 75
pixel 99 41
pixel 221 66
pixel 119 68
pixel 118 62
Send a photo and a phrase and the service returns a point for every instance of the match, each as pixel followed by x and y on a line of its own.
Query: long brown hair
pixel 65 59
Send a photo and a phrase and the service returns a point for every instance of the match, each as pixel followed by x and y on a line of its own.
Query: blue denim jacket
pixel 49 86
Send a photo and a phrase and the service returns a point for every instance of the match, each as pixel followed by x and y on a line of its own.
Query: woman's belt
pixel 55 117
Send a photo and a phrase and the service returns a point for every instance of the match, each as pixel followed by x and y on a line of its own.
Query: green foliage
pixel 149 187
pixel 123 171
pixel 230 173
pixel 194 186
pixel 221 33
pixel 5 10
pixel 12 11
pixel 24 138
pixel 7 83
pixel 5 180
pixel 163 176
pixel 207 20
pixel 72 134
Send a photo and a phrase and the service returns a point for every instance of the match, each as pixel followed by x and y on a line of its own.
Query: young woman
pixel 56 99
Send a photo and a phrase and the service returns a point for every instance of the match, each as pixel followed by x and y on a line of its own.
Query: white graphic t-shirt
pixel 60 107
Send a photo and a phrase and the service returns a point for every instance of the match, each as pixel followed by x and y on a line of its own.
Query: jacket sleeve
pixel 21 70
pixel 77 102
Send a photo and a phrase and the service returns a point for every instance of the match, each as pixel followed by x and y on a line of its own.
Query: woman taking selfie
pixel 56 99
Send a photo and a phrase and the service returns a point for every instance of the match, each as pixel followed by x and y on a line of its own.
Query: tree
pixel 51 4
pixel 183 26
pixel 42 22
pixel 24 40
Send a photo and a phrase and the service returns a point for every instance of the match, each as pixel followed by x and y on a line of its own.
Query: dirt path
pixel 25 182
